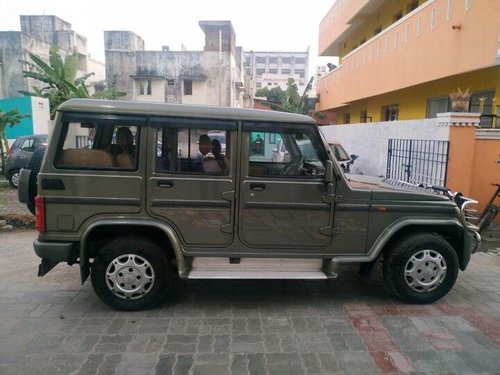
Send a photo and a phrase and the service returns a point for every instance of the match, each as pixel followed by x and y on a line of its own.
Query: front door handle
pixel 165 184
pixel 258 187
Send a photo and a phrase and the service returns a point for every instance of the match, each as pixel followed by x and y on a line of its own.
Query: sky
pixel 260 25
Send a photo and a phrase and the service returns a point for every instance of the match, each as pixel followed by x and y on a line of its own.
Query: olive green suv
pixel 136 193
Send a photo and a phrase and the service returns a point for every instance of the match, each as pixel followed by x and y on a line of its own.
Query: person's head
pixel 216 147
pixel 124 137
pixel 204 144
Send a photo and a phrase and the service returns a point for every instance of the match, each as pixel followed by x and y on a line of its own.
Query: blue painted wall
pixel 24 105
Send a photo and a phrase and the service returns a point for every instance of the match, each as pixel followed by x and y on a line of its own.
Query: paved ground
pixel 53 325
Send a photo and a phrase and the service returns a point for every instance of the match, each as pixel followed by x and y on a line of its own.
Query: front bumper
pixel 472 240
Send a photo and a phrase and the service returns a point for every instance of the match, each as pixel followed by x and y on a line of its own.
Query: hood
pixel 384 189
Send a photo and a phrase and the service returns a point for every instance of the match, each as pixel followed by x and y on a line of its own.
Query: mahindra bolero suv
pixel 136 193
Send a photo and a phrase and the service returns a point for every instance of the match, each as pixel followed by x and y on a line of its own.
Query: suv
pixel 133 214
pixel 20 154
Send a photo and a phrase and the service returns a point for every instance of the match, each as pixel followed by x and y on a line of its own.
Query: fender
pixel 390 231
pixel 166 229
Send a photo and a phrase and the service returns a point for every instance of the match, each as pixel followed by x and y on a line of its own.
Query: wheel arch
pixel 101 231
pixel 450 230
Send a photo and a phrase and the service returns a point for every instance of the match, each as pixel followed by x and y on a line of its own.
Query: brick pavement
pixel 53 325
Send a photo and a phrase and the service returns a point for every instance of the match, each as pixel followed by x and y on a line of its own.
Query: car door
pixel 284 205
pixel 191 182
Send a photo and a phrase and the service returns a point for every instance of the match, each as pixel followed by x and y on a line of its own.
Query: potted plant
pixel 460 100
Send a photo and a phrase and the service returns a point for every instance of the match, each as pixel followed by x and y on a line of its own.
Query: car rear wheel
pixel 421 268
pixel 14 178
pixel 131 273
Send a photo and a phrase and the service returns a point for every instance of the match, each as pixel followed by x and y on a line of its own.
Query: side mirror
pixel 329 171
pixel 354 157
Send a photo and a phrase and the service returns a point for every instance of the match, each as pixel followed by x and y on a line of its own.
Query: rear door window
pixel 93 142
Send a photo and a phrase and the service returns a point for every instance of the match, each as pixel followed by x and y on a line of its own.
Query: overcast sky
pixel 260 25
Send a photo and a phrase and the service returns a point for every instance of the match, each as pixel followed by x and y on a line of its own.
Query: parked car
pixel 133 219
pixel 20 154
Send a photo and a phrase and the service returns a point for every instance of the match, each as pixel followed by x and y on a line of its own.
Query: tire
pixel 14 178
pixel 423 255
pixel 34 165
pixel 146 271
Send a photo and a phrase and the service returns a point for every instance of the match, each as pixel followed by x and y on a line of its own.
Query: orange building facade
pixel 399 59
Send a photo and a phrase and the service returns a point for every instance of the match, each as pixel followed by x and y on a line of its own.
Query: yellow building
pixel 399 59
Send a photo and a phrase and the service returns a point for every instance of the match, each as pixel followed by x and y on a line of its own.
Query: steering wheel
pixel 293 167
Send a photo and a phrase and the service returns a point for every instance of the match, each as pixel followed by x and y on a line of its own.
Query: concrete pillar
pixel 462 143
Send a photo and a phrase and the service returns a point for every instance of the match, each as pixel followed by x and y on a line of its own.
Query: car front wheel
pixel 421 268
pixel 131 273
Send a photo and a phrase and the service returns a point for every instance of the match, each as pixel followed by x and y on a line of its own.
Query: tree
pixel 292 101
pixel 10 119
pixel 59 76
pixel 276 94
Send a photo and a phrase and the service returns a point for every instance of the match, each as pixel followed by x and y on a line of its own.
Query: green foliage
pixel 59 77
pixel 292 101
pixel 276 94
pixel 10 119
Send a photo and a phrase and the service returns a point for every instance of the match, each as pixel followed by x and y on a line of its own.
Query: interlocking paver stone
pixel 345 326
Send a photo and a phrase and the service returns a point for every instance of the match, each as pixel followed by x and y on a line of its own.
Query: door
pixel 191 182
pixel 284 202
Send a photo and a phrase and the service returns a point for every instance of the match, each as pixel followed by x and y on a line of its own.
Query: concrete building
pixel 212 76
pixel 399 59
pixel 271 69
pixel 37 35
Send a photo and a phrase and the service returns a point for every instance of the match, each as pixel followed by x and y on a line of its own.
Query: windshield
pixel 339 152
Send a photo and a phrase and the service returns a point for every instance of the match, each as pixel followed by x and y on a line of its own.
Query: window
pixel 362 116
pixel 98 143
pixel 285 71
pixel 286 60
pixel 273 60
pixel 437 105
pixel 260 60
pixel 28 145
pixel 188 87
pixel 193 146
pixel 292 151
pixel 145 87
pixel 300 60
pixel 170 82
pixel 260 71
pixel 273 71
pixel 485 108
pixel 300 72
pixel 390 112
pixel 258 85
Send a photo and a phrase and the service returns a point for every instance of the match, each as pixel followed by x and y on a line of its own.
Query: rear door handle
pixel 258 187
pixel 165 184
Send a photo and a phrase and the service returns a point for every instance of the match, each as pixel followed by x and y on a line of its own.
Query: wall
pixel 405 56
pixel 370 141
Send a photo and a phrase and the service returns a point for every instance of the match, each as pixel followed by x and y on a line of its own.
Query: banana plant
pixel 294 102
pixel 10 118
pixel 58 79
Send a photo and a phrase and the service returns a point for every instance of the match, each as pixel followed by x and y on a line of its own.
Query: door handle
pixel 165 184
pixel 258 187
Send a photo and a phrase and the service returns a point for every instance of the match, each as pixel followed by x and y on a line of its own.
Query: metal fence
pixel 418 161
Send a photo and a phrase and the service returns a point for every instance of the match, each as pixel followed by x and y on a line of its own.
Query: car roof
pixel 33 136
pixel 180 110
